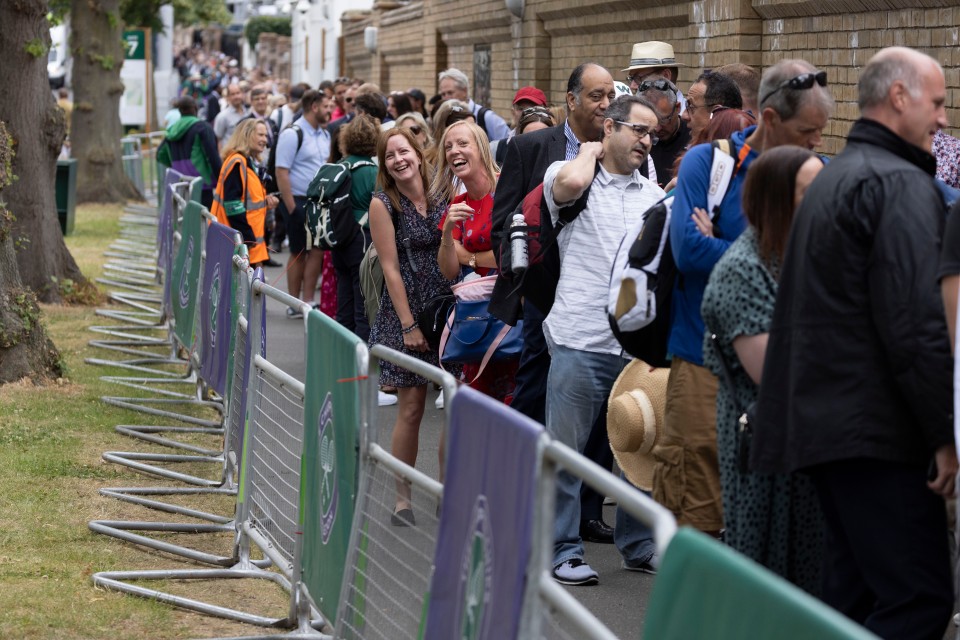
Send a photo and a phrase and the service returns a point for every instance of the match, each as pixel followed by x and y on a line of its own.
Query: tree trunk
pixel 97 49
pixel 38 128
pixel 25 349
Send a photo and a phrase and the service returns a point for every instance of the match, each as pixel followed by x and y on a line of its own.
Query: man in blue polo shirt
pixel 301 150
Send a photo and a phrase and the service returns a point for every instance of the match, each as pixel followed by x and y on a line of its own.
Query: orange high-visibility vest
pixel 254 201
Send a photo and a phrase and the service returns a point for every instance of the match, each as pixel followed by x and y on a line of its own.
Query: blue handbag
pixel 474 335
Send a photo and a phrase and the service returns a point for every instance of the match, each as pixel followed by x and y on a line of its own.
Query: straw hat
pixel 652 54
pixel 635 420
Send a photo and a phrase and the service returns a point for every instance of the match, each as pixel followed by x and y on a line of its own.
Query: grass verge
pixel 51 439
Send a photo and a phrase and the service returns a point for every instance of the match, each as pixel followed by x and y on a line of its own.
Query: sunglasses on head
pixel 529 111
pixel 800 82
pixel 415 129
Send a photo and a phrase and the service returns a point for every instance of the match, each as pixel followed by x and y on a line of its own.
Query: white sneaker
pixel 575 572
pixel 438 403
pixel 385 399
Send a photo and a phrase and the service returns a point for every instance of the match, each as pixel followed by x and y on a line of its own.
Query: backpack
pixel 270 183
pixel 538 282
pixel 644 271
pixel 482 120
pixel 330 222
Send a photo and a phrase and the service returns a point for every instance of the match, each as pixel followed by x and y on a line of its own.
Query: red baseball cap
pixel 532 94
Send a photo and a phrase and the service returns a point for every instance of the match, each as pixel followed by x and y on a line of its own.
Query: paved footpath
pixel 621 597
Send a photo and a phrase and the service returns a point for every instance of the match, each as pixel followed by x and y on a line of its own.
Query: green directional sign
pixel 135 44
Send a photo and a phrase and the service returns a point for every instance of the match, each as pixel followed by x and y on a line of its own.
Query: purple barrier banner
pixel 165 236
pixel 484 539
pixel 215 328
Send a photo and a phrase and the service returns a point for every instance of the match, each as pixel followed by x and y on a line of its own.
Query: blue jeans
pixel 634 539
pixel 577 385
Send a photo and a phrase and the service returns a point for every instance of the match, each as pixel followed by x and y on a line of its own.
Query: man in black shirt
pixel 672 131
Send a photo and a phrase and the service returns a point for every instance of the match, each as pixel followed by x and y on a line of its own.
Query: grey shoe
pixel 651 566
pixel 575 572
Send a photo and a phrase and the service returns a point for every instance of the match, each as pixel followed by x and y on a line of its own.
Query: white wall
pixel 314 47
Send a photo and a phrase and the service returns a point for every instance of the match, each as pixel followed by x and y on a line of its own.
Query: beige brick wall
pixel 418 40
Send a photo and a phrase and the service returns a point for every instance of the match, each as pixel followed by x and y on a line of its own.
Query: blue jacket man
pixel 794 108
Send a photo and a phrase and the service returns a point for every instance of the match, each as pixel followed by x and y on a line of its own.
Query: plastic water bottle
pixel 518 245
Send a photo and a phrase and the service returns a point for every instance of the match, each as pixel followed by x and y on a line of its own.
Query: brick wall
pixel 419 39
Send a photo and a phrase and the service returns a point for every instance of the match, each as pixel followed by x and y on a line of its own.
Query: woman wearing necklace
pixel 465 162
pixel 402 210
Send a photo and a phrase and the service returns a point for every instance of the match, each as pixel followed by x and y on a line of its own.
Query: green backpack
pixel 330 223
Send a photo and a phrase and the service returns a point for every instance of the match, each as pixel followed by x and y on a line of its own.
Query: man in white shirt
pixel 301 151
pixel 453 85
pixel 585 357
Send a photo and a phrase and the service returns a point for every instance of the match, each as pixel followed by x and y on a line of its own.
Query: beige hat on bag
pixel 652 54
pixel 635 420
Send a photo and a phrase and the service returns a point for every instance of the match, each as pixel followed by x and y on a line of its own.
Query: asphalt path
pixel 620 599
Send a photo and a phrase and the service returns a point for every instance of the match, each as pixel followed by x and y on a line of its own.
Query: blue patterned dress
pixel 773 519
pixel 429 282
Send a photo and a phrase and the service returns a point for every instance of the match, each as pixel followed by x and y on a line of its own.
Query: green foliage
pixel 36 48
pixel 146 13
pixel 107 62
pixel 266 24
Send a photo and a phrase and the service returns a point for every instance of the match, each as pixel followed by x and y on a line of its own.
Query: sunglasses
pixel 639 76
pixel 415 129
pixel 660 85
pixel 530 111
pixel 348 100
pixel 641 131
pixel 801 82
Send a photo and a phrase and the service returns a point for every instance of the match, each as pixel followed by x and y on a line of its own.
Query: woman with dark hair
pixel 358 145
pixel 773 519
pixel 404 223
pixel 398 103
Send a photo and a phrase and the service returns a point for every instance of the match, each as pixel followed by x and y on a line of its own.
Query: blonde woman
pixel 466 167
pixel 240 200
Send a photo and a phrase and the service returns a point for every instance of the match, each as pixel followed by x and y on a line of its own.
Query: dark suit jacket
pixel 528 157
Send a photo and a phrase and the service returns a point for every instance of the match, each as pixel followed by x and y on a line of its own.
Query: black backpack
pixel 330 222
pixel 270 183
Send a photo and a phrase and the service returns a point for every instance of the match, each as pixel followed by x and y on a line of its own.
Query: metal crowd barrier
pixel 268 515
pixel 139 154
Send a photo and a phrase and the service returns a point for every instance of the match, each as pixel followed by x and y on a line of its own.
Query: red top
pixel 474 234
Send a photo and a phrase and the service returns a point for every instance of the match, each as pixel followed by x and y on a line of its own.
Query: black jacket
pixel 858 364
pixel 528 157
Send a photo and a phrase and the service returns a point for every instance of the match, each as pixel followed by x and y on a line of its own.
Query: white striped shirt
pixel 588 247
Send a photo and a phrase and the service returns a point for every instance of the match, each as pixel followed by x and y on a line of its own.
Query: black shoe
pixel 403 518
pixel 270 262
pixel 596 531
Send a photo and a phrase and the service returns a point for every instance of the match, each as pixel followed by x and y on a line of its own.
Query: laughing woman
pixel 403 210
pixel 465 162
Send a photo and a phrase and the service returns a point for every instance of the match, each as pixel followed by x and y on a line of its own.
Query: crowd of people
pixel 808 300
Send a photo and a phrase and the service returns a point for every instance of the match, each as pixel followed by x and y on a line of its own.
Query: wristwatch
pixel 473 261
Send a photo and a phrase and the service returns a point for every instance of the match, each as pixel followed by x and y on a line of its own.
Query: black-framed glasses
pixel 640 130
pixel 800 82
pixel 661 84
pixel 693 108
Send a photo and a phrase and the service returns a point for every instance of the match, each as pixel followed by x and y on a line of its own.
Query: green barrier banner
pixel 186 273
pixel 331 442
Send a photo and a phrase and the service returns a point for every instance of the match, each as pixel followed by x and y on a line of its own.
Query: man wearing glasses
pixel 653 58
pixel 710 92
pixel 585 357
pixel 672 130
pixel 794 107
